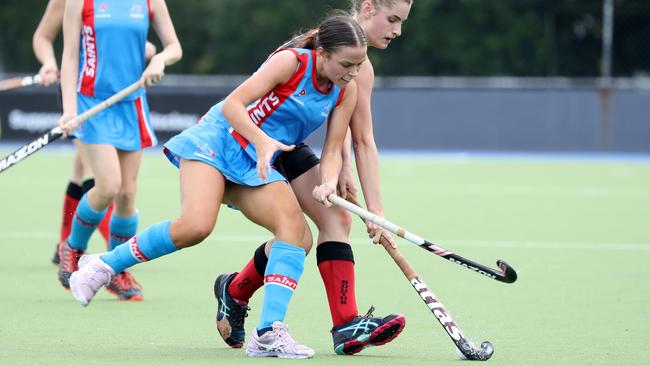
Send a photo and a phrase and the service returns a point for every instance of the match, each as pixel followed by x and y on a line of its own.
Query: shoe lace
pixel 369 313
pixel 284 338
pixel 238 313
pixel 363 324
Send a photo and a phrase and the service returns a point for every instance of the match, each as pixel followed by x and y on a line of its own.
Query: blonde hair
pixel 356 4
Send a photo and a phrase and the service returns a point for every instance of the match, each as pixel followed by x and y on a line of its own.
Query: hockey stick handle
pixel 19 82
pixel 369 216
pixel 105 104
pixel 463 345
pixel 505 273
pixel 31 80
pixel 352 205
pixel 55 133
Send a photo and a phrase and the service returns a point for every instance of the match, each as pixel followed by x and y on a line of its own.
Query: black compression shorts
pixel 295 163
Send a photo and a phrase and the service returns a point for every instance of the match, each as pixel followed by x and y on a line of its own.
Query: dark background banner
pixel 26 113
pixel 572 119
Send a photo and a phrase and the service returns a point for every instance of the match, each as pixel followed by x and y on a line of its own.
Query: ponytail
pixel 339 29
pixel 305 40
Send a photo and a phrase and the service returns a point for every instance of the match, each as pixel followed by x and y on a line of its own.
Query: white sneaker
pixel 276 343
pixel 93 273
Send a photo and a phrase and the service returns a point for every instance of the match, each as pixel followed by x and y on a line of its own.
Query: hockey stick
pixel 505 273
pixel 52 135
pixel 466 348
pixel 19 82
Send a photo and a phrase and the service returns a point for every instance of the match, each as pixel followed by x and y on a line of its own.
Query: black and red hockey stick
pixel 464 346
pixel 55 133
pixel 505 273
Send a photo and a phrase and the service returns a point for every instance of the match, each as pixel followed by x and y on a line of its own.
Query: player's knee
pixel 191 232
pixel 336 224
pixel 198 233
pixel 125 198
pixel 293 217
pixel 292 227
pixel 107 190
pixel 345 220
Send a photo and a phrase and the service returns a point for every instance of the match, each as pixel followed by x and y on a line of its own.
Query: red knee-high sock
pixel 104 224
pixel 251 278
pixel 336 266
pixel 73 194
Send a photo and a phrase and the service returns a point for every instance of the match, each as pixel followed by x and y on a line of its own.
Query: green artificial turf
pixel 576 231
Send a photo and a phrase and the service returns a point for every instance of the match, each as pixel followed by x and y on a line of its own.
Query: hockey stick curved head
pixel 487 350
pixel 467 351
pixel 509 273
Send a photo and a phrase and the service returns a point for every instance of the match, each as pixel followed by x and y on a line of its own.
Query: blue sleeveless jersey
pixel 288 113
pixel 291 111
pixel 113 32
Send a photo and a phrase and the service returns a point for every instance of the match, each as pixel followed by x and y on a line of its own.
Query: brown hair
pixel 338 30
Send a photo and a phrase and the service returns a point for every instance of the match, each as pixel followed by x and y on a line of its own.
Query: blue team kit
pixel 288 113
pixel 114 33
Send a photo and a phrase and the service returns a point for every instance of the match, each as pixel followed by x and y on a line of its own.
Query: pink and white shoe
pixel 276 343
pixel 93 273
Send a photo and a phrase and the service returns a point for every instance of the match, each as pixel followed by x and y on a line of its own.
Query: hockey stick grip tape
pixel 369 216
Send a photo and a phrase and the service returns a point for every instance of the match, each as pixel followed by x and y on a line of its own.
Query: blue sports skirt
pixel 124 125
pixel 211 143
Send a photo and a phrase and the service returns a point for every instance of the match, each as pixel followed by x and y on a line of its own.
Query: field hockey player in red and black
pixel 228 158
pixel 381 21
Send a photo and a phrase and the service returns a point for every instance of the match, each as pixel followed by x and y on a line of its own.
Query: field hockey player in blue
pixel 104 52
pixel 79 183
pixel 381 21
pixel 228 158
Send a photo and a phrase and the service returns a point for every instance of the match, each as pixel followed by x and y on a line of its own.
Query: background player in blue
pixel 381 21
pixel 104 51
pixel 228 157
pixel 80 181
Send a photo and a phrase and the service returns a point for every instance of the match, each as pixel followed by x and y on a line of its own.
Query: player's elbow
pixel 229 107
pixel 178 53
pixel 37 40
pixel 363 143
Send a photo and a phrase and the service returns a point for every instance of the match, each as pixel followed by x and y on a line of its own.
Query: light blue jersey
pixel 112 57
pixel 288 113
pixel 112 47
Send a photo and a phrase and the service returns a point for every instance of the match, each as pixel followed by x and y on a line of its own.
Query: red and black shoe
pixel 366 331
pixel 125 287
pixel 68 262
pixel 55 258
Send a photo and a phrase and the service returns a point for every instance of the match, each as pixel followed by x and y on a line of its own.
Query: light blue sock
pixel 283 270
pixel 155 241
pixel 84 223
pixel 122 229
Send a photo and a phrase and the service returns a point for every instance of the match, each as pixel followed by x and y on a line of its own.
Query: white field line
pixel 522 190
pixel 437 189
pixel 446 243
